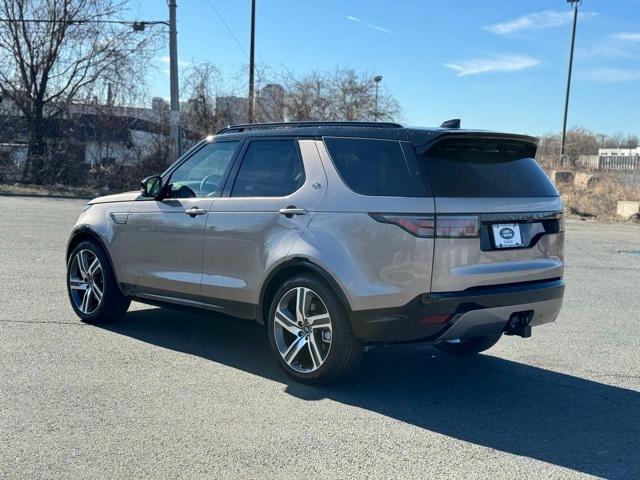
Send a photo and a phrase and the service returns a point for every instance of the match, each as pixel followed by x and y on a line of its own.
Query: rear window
pixel 486 168
pixel 376 167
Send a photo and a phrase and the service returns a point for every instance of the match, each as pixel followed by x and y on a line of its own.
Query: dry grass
pixel 47 190
pixel 599 201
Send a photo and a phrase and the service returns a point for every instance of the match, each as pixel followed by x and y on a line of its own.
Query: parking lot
pixel 164 394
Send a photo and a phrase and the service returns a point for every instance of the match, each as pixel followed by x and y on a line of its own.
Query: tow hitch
pixel 519 324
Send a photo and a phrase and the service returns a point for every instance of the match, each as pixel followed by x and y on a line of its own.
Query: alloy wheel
pixel 302 329
pixel 86 281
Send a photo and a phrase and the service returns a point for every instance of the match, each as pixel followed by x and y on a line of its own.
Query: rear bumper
pixel 469 313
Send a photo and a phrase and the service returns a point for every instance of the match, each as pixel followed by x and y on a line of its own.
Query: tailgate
pixel 498 216
pixel 462 263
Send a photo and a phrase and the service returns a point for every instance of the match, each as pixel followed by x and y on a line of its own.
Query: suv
pixel 335 236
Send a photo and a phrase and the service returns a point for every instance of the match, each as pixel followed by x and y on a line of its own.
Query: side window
pixel 201 175
pixel 270 168
pixel 376 167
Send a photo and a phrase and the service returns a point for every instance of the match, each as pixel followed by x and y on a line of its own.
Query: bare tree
pixel 631 141
pixel 614 141
pixel 46 65
pixel 354 97
pixel 340 95
pixel 307 98
pixel 202 85
pixel 579 141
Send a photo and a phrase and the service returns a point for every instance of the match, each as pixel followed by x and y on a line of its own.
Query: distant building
pixel 232 109
pixel 619 152
pixel 270 103
pixel 269 106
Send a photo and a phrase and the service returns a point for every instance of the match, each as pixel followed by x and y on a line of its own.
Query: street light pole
pixel 174 119
pixel 377 79
pixel 575 4
pixel 251 60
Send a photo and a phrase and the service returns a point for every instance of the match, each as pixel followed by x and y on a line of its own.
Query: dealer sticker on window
pixel 507 235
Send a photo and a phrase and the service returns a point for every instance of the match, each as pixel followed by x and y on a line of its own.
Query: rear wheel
pixel 91 284
pixel 310 333
pixel 469 346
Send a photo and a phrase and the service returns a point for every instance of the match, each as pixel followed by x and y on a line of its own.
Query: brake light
pixel 457 226
pixel 428 226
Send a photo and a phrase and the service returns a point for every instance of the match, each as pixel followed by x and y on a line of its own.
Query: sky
pixel 498 65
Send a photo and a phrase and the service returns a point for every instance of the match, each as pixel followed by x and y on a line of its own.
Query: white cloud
pixel 536 21
pixel 492 63
pixel 165 59
pixel 610 75
pixel 627 36
pixel 615 45
pixel 370 25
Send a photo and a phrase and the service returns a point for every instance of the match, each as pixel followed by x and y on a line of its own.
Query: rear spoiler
pixel 423 140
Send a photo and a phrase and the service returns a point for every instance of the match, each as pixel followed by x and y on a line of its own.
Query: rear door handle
pixel 195 211
pixel 289 212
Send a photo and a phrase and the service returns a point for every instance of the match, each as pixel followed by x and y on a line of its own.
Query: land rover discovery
pixel 335 236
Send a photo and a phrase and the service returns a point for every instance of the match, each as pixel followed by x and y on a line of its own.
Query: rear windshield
pixel 486 168
pixel 377 167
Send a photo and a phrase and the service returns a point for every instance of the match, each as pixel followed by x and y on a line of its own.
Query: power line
pixel 257 99
pixel 228 28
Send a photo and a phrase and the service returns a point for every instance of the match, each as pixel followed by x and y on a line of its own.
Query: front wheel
pixel 310 333
pixel 469 346
pixel 91 284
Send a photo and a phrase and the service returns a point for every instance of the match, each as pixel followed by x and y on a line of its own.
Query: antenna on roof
pixel 454 123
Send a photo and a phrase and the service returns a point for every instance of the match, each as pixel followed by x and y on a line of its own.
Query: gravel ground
pixel 172 395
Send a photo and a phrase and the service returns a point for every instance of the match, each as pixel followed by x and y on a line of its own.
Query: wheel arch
pixel 85 232
pixel 285 270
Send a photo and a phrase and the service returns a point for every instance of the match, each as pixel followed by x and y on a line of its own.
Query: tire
pixel 83 287
pixel 470 346
pixel 315 360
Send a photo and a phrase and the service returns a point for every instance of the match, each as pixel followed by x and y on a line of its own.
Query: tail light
pixel 428 226
pixel 457 226
pixel 419 225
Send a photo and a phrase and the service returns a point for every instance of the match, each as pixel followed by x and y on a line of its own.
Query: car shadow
pixel 512 407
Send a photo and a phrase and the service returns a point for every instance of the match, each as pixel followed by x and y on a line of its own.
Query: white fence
pixel 596 162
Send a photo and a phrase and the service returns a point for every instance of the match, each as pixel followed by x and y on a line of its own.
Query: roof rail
pixel 264 126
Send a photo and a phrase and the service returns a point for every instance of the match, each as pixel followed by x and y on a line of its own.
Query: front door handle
pixel 290 211
pixel 195 211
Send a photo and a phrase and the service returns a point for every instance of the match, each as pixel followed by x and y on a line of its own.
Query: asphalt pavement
pixel 163 394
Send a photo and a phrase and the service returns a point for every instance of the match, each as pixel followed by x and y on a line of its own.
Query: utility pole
pixel 377 79
pixel 575 4
pixel 174 119
pixel 251 61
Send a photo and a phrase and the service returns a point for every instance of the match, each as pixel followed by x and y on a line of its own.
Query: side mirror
pixel 151 186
